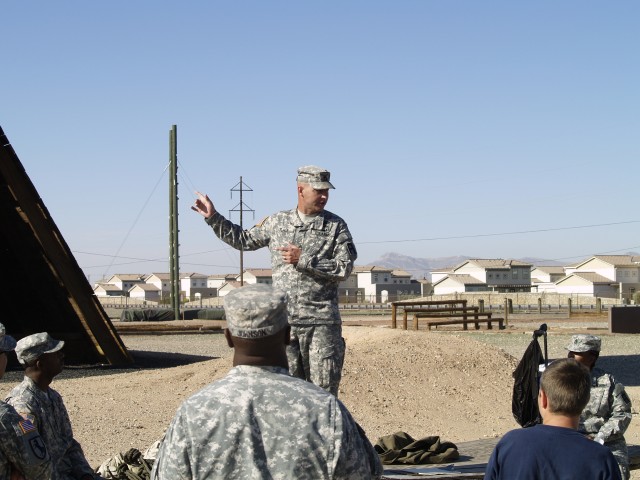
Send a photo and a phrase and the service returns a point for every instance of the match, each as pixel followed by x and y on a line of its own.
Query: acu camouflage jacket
pixel 327 257
pixel 608 413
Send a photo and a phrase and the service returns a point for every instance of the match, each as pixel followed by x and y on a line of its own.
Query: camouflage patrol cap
pixel 7 342
pixel 34 346
pixel 255 311
pixel 317 177
pixel 584 343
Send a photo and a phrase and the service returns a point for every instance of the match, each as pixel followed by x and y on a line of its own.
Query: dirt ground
pixel 449 383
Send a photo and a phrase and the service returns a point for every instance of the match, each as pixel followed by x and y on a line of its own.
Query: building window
pixel 515 274
pixel 491 275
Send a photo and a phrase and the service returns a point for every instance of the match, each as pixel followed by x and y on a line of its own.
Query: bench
pixel 436 320
pixel 412 306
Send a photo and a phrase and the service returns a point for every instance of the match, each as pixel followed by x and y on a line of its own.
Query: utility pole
pixel 240 187
pixel 174 281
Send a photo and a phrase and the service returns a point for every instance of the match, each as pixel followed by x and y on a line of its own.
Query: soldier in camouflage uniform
pixel 311 252
pixel 258 422
pixel 43 358
pixel 608 413
pixel 21 447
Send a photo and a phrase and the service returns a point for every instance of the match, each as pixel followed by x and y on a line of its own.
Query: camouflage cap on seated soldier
pixel 7 342
pixel 584 343
pixel 34 346
pixel 317 177
pixel 255 311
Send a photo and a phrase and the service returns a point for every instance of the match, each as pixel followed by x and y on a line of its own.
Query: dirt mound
pixel 424 384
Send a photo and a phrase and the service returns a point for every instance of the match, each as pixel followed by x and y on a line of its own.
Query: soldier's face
pixel 52 363
pixel 310 200
pixel 588 359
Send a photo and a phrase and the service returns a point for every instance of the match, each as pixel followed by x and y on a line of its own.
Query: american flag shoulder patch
pixel 26 426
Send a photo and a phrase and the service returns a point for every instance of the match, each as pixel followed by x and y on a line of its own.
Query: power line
pixel 136 219
pixel 480 235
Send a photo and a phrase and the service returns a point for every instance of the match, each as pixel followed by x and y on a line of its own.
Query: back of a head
pixel 567 384
pixel 255 311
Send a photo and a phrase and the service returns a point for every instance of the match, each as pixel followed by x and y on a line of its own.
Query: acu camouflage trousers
pixel 316 354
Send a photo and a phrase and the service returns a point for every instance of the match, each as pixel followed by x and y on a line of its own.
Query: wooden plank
pixel 453 315
pixel 436 310
pixel 430 302
pixel 465 323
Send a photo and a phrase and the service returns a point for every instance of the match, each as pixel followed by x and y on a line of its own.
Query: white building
pixel 194 285
pixel 145 291
pixel 608 276
pixel 544 277
pixel 492 275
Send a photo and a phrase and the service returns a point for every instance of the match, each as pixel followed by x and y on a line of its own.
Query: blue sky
pixel 448 126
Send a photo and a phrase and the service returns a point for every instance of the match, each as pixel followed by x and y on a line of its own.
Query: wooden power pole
pixel 173 223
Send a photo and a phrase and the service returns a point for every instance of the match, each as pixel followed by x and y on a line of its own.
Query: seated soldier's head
pixel 257 325
pixel 41 354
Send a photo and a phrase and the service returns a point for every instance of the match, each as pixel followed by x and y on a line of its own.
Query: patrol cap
pixel 7 342
pixel 584 343
pixel 255 311
pixel 317 177
pixel 34 346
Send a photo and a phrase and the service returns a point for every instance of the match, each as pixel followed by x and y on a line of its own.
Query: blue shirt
pixel 546 452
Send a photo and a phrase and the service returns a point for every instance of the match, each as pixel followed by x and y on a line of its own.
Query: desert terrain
pixel 451 383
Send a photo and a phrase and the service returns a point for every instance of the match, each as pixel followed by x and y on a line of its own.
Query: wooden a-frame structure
pixel 43 288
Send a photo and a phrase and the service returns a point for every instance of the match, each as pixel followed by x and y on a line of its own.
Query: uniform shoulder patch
pixel 26 426
pixel 38 447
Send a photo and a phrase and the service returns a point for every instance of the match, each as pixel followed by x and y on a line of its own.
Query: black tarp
pixel 524 402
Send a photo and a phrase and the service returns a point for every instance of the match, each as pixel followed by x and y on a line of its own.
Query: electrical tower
pixel 240 207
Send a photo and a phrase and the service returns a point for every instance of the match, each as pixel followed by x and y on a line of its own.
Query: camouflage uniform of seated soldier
pixel 259 422
pixel 43 358
pixel 22 450
pixel 608 413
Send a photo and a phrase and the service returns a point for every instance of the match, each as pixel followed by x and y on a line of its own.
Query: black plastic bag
pixel 524 402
